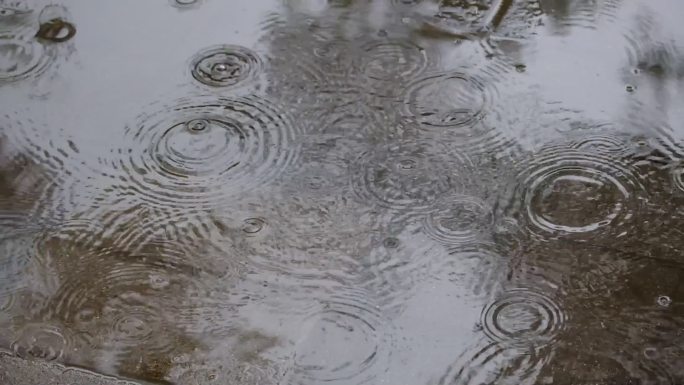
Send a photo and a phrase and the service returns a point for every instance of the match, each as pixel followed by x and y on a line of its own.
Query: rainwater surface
pixel 295 192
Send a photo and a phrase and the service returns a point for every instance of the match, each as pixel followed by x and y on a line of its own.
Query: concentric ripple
pixel 225 65
pixel 601 143
pixel 572 192
pixel 41 341
pixel 114 298
pixel 199 150
pixel 408 177
pixel 392 60
pixel 523 317
pixel 458 219
pixel 493 363
pixel 22 59
pixel 447 100
pixel 346 340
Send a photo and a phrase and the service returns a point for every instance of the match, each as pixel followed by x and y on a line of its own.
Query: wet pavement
pixel 348 192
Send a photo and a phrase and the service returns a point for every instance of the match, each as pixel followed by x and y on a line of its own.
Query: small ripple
pixel 447 100
pixel 480 269
pixel 185 4
pixel 395 268
pixel 463 107
pixel 225 66
pixel 458 220
pixel 601 143
pixel 201 150
pixel 585 14
pixel 41 341
pixel 391 60
pixel 409 176
pixel 493 363
pixel 678 178
pixel 346 340
pixel 564 191
pixel 22 59
pixel 523 317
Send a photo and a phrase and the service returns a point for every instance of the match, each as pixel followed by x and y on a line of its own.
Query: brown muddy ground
pixel 343 192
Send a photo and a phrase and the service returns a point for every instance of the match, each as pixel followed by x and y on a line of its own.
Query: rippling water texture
pixel 304 192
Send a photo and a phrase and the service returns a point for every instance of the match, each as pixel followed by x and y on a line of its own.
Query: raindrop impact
pixel 225 66
pixel 200 150
pixel 523 317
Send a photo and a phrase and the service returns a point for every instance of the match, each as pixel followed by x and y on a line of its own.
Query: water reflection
pixel 423 192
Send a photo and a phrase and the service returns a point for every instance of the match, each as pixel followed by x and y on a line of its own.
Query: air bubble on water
pixel 664 301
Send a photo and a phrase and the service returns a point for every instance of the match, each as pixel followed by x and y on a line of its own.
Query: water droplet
pixel 220 67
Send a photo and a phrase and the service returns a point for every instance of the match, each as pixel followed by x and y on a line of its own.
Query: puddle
pixel 301 192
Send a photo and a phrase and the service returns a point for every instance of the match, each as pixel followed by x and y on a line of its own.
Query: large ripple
pixel 198 151
pixel 563 191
